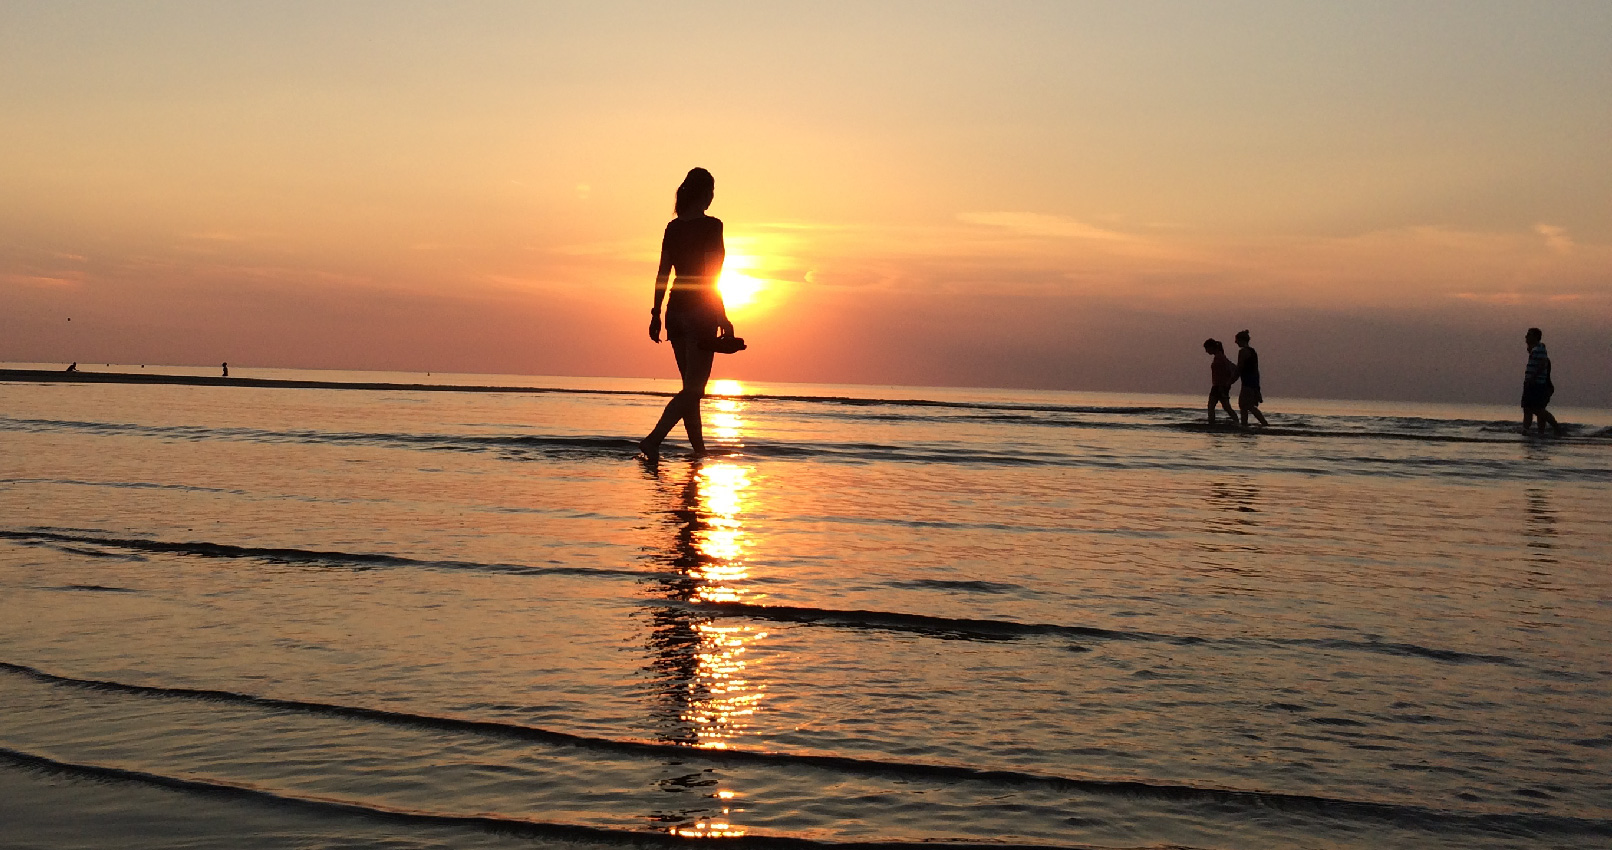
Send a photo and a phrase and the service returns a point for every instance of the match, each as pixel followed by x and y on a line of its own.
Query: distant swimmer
pixel 1221 373
pixel 1536 385
pixel 226 369
pixel 73 367
pixel 695 315
pixel 1249 397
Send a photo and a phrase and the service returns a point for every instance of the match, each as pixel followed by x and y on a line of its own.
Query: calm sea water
pixel 245 617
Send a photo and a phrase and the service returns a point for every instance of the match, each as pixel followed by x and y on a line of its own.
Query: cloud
pixel 1555 237
pixel 1037 224
pixel 1505 298
pixel 223 236
pixel 38 280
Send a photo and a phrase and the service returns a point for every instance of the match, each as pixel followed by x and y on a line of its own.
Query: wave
pixel 375 812
pixel 967 586
pixel 525 447
pixel 1026 412
pixel 125 485
pixel 943 627
pixel 586 445
pixel 359 560
pixel 1357 433
pixel 983 629
pixel 1414 816
pixel 959 627
pixel 850 401
pixel 957 525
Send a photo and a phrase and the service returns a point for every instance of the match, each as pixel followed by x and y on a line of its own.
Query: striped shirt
pixel 1538 366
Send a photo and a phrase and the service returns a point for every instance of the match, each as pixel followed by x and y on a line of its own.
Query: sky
pixel 1061 195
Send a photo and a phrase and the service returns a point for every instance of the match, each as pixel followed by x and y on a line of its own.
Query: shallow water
pixel 419 619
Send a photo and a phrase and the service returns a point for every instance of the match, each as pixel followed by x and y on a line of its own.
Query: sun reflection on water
pixel 724 698
pixel 707 696
pixel 722 417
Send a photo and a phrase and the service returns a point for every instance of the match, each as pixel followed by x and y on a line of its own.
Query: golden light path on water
pixel 722 697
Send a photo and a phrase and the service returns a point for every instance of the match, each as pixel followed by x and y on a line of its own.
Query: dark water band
pixel 945 627
pixel 484 823
pixel 1403 815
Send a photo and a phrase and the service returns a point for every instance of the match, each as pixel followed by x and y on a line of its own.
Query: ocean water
pixel 266 617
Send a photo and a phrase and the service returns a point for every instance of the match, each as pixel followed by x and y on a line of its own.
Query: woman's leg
pixel 695 367
pixel 695 364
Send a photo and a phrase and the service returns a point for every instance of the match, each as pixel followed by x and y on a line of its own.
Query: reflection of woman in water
pixel 694 310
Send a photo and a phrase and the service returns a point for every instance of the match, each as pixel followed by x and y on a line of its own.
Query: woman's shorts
pixel 690 325
pixel 1536 396
pixel 1219 394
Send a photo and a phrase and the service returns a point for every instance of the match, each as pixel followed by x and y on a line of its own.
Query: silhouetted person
pixel 1249 397
pixel 72 368
pixel 1221 373
pixel 225 367
pixel 1536 385
pixel 693 248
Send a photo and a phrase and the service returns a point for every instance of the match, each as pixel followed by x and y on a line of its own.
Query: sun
pixel 739 288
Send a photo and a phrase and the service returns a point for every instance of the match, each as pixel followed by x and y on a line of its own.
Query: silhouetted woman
pixel 693 249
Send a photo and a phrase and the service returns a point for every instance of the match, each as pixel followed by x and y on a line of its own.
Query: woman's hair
pixel 1212 345
pixel 694 195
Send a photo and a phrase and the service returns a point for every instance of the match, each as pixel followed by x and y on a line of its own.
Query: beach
pixel 305 609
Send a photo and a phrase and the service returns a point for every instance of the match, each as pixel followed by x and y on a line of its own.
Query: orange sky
pixel 1067 195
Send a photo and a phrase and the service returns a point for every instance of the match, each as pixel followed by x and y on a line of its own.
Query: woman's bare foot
pixel 650 450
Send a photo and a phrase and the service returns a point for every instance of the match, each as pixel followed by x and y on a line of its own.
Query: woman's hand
pixel 724 328
pixel 654 326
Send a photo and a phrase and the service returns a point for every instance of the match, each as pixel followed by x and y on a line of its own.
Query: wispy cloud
pixel 39 280
pixel 1049 226
pixel 220 236
pixel 1555 237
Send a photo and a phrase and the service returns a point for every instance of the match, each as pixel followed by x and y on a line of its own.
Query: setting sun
pixel 738 286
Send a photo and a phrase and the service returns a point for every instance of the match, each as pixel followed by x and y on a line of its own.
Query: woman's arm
pixel 661 276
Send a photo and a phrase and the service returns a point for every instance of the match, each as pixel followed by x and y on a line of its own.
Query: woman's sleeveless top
pixel 694 246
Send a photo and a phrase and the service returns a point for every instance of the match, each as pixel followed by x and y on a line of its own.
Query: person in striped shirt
pixel 1536 386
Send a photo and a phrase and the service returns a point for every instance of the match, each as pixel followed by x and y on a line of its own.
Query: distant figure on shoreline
pixel 1221 373
pixel 694 249
pixel 1536 385
pixel 72 368
pixel 226 368
pixel 1249 397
